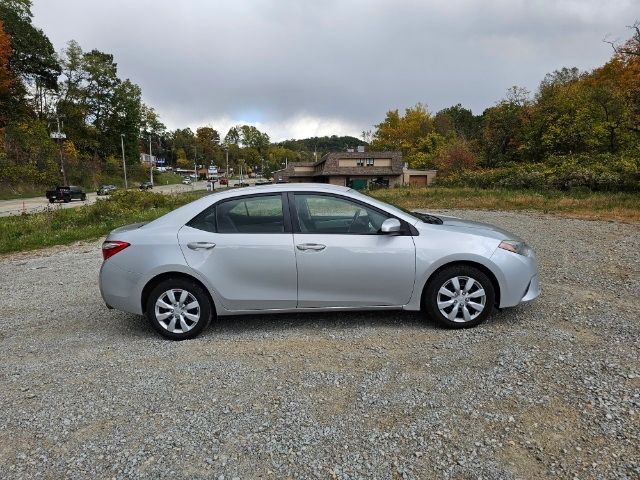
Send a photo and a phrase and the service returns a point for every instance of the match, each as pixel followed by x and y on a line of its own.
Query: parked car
pixel 106 189
pixel 310 247
pixel 186 181
pixel 66 194
pixel 224 181
pixel 146 186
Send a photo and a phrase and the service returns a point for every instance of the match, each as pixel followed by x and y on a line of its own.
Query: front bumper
pixel 520 281
pixel 533 290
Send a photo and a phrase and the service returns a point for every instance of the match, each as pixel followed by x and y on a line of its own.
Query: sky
pixel 300 68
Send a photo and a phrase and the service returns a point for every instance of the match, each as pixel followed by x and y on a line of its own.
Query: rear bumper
pixel 120 289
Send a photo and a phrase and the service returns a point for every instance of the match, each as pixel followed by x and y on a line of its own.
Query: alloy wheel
pixel 461 299
pixel 177 310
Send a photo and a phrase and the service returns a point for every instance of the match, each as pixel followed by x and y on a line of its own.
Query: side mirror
pixel 390 225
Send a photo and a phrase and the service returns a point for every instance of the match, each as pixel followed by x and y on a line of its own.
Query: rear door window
pixel 258 214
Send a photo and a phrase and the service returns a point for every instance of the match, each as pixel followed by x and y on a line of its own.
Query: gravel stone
pixel 549 389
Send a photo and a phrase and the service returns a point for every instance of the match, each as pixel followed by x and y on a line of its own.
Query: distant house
pixel 147 159
pixel 356 170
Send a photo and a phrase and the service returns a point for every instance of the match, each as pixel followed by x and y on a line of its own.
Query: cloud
pixel 296 66
pixel 299 126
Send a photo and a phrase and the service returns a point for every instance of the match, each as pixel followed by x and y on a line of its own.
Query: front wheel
pixel 179 309
pixel 51 200
pixel 459 296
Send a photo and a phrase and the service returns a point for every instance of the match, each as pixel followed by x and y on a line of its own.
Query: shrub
pixel 603 172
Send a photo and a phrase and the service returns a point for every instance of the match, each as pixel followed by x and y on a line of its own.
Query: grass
pixel 618 206
pixel 20 191
pixel 167 178
pixel 63 226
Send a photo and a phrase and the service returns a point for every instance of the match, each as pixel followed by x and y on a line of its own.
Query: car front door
pixel 244 247
pixel 343 260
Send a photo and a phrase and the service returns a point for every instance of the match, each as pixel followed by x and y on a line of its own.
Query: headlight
pixel 520 248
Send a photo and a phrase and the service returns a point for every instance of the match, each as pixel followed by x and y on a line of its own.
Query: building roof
pixel 330 165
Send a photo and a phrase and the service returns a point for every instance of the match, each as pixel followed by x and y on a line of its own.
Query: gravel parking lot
pixel 550 389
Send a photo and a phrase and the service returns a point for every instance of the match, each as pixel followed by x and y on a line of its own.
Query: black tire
pixel 66 199
pixel 83 197
pixel 444 278
pixel 51 200
pixel 192 288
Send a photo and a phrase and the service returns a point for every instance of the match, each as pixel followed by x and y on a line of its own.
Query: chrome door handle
pixel 201 245
pixel 311 246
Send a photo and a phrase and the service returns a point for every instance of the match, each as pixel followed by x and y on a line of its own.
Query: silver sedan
pixel 310 247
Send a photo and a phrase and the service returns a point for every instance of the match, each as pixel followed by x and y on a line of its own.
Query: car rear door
pixel 244 247
pixel 341 258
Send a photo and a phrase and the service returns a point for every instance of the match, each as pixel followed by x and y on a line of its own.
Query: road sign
pixel 58 135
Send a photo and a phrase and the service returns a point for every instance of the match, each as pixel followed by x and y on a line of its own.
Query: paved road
pixel 37 204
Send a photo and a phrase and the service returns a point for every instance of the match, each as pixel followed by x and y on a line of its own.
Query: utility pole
pixel 195 165
pixel 60 136
pixel 124 162
pixel 226 172
pixel 261 167
pixel 150 161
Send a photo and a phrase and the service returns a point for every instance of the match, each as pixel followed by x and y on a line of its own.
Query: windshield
pixel 422 217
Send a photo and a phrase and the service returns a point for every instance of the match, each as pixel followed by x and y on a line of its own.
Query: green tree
pixel 458 121
pixel 413 133
pixel 503 128
pixel 33 59
pixel 208 142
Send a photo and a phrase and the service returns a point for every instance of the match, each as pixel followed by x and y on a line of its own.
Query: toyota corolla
pixel 310 247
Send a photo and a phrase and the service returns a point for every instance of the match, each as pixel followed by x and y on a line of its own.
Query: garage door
pixel 418 180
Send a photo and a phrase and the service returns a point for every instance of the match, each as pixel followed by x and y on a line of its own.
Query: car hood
pixel 476 228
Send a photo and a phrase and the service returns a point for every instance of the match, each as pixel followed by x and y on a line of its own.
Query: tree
pixel 208 142
pixel 124 119
pixel 458 121
pixel 150 123
pixel 503 128
pixel 251 137
pixel 232 137
pixel 6 76
pixel 321 145
pixel 456 157
pixel 34 59
pixel 413 133
pixel 632 46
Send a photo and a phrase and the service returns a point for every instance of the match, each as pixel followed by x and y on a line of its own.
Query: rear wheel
pixel 459 296
pixel 51 200
pixel 179 308
pixel 66 199
pixel 83 197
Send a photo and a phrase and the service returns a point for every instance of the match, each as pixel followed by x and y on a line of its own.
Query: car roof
pixel 290 187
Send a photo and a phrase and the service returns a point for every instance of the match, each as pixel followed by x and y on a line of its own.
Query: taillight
pixel 111 247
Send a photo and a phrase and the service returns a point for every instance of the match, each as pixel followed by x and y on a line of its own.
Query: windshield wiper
pixel 427 218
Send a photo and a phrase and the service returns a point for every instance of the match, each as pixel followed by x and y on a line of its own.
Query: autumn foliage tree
pixel 5 73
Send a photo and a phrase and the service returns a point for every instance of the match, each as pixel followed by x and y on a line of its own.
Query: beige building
pixel 357 170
